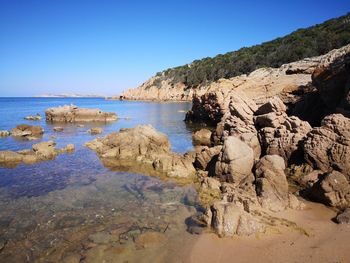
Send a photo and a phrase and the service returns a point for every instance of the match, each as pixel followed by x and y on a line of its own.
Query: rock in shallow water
pixel 74 114
pixel 141 149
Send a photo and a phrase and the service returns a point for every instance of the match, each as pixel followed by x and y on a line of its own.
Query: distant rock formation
pixel 71 113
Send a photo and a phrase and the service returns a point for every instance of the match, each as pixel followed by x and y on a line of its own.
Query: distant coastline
pixel 70 95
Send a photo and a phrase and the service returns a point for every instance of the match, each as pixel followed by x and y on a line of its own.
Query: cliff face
pixel 261 83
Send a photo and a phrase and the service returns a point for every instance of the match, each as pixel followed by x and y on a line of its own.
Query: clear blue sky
pixel 105 46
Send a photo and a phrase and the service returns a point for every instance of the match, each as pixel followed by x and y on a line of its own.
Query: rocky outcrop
pixel 58 129
pixel 202 137
pixel 279 133
pixel 141 149
pixel 235 162
pixel 160 89
pixel 332 79
pixel 271 183
pixel 259 85
pixel 328 147
pixel 332 189
pixel 28 132
pixel 42 151
pixel 74 114
pixel 238 121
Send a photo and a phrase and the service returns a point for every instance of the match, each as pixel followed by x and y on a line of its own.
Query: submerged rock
pixel 42 151
pixel 74 114
pixel 27 131
pixel 33 118
pixel 141 149
pixel 58 129
pixel 95 130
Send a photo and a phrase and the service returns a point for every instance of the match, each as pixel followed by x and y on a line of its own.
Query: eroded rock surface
pixel 328 147
pixel 280 134
pixel 71 113
pixel 271 183
pixel 141 149
pixel 202 137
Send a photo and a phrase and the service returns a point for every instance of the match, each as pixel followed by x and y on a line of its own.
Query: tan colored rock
pixel 331 78
pixel 141 149
pixel 27 131
pixel 271 183
pixel 42 151
pixel 202 137
pixel 74 114
pixel 58 129
pixel 238 121
pixel 206 157
pixel 328 147
pixel 229 219
pixel 95 130
pixel 280 134
pixel 4 133
pixel 332 189
pixel 235 162
pixel 211 183
pixel 33 118
pixel 344 217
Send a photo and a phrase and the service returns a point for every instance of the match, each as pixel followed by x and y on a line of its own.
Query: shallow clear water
pixel 73 208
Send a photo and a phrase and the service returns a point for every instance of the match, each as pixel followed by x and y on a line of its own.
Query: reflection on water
pixel 73 209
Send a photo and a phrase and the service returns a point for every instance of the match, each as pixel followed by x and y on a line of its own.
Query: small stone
pixel 58 129
pixel 95 130
pixel 344 217
pixel 4 133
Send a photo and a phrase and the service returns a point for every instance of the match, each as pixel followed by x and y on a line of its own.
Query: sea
pixel 74 208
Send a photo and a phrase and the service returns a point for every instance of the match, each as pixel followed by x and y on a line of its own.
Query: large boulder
pixel 27 131
pixel 71 113
pixel 332 79
pixel 229 219
pixel 280 134
pixel 332 189
pixel 141 149
pixel 202 137
pixel 235 162
pixel 328 147
pixel 271 183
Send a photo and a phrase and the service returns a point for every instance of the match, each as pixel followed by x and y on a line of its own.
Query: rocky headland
pixel 281 135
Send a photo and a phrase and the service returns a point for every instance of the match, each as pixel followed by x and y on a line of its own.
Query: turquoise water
pixel 74 197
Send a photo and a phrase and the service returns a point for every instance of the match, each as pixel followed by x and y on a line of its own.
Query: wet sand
pixel 324 241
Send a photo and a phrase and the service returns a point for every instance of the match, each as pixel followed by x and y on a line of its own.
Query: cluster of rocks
pixel 24 131
pixel 141 149
pixel 42 151
pixel 71 113
pixel 36 117
pixel 257 141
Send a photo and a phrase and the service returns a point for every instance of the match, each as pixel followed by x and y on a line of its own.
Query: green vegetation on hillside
pixel 309 42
